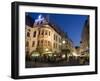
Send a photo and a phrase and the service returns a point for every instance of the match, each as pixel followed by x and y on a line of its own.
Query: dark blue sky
pixel 72 24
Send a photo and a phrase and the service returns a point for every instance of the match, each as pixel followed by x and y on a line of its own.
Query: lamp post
pixel 63 42
pixel 46 49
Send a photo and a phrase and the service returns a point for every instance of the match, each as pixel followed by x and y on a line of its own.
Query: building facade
pixel 45 37
pixel 84 44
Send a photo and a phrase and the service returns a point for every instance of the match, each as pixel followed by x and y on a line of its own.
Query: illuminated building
pixel 45 37
pixel 84 44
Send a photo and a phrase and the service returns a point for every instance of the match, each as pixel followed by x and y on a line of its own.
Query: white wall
pixel 5 40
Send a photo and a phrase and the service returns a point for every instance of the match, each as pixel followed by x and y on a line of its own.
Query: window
pixel 39 32
pixel 41 22
pixel 42 32
pixel 59 40
pixel 45 42
pixel 38 42
pixel 28 34
pixel 33 43
pixel 54 45
pixel 49 33
pixel 27 43
pixel 46 32
pixel 41 42
pixel 54 36
pixel 34 34
pixel 28 29
pixel 48 43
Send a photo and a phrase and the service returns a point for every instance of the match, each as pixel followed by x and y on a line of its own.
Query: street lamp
pixel 63 56
pixel 63 41
pixel 46 49
pixel 74 54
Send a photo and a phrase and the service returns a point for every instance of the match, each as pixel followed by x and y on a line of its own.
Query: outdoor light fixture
pixel 46 49
pixel 74 54
pixel 63 56
pixel 50 55
pixel 63 41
